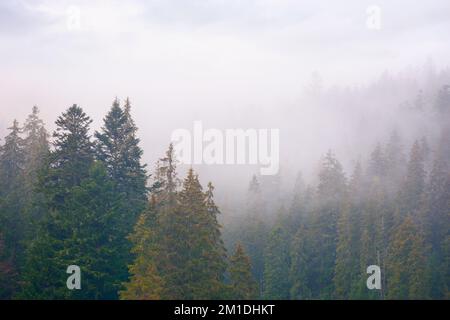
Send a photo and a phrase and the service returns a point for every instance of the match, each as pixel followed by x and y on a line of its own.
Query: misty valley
pixel 86 204
pixel 218 159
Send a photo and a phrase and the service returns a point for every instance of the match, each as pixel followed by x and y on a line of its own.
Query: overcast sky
pixel 185 60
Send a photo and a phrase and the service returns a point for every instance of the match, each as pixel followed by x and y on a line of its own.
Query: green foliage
pixel 242 283
pixel 277 265
pixel 178 241
pixel 86 203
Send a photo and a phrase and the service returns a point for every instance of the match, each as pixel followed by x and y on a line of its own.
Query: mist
pixel 317 72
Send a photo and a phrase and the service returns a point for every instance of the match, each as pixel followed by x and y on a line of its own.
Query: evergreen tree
pixel 412 192
pixel 253 231
pixel 347 271
pixel 118 148
pixel 8 274
pixel 407 266
pixel 331 193
pixel 81 232
pixel 81 224
pixel 36 150
pixel 242 283
pixel 301 273
pixel 436 223
pixel 377 164
pixel 145 281
pixel 395 165
pixel 71 158
pixel 277 265
pixel 12 159
pixel 199 260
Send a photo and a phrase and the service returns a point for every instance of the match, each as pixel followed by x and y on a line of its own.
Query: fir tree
pixel 71 158
pixel 331 192
pixel 8 274
pixel 407 266
pixel 36 149
pixel 145 281
pixel 412 192
pixel 80 232
pixel 301 273
pixel 277 265
pixel 12 159
pixel 242 283
pixel 118 147
pixel 346 276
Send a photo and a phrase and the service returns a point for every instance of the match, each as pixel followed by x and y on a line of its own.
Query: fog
pixel 315 71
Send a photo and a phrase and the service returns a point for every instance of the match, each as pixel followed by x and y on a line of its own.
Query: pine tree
pixel 242 283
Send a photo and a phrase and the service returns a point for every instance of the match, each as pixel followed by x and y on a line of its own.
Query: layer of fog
pixel 311 69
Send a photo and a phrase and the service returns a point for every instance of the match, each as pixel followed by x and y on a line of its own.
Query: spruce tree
pixel 145 282
pixel 118 148
pixel 347 271
pixel 71 158
pixel 436 223
pixel 12 204
pixel 301 274
pixel 242 283
pixel 81 232
pixel 8 272
pixel 411 195
pixel 407 265
pixel 199 260
pixel 331 192
pixel 254 230
pixel 36 149
pixel 277 265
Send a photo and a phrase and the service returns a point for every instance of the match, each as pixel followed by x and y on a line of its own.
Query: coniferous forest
pixel 77 197
pixel 197 150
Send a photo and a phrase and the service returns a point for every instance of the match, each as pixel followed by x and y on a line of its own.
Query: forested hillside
pixel 84 198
